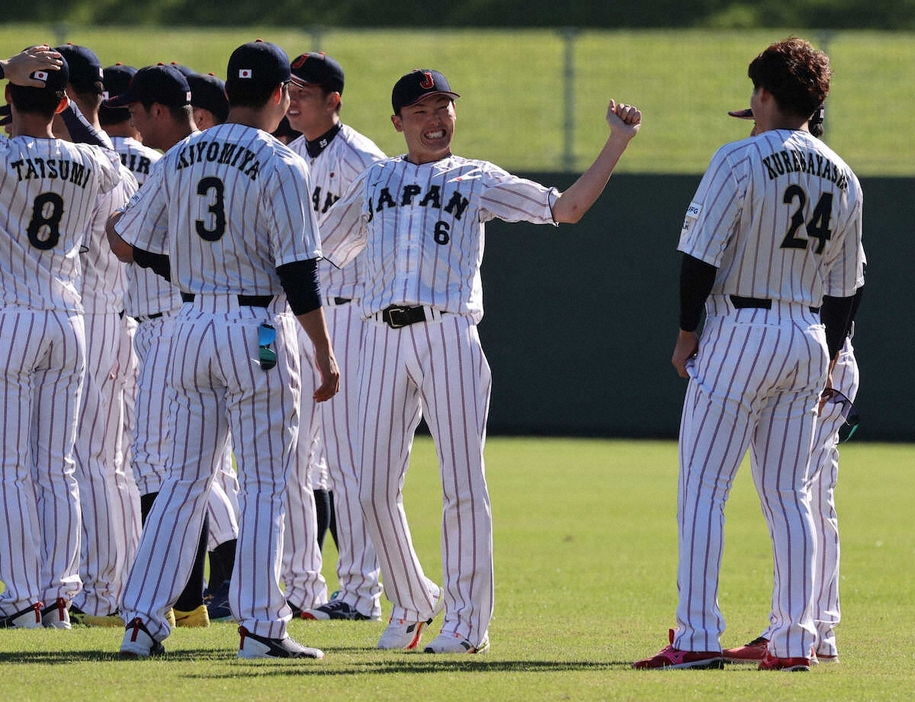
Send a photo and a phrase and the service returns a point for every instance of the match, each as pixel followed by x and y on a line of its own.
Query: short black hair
pixel 38 101
pixel 795 73
pixel 249 93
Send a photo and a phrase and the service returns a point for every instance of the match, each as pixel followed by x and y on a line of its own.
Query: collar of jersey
pixel 314 148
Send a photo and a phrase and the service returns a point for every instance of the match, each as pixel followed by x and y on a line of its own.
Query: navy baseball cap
pixel 85 68
pixel 162 84
pixel 209 92
pixel 53 80
pixel 417 85
pixel 116 78
pixel 317 68
pixel 185 71
pixel 742 114
pixel 6 115
pixel 258 62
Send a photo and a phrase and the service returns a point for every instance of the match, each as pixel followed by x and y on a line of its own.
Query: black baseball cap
pixel 85 68
pixel 417 85
pixel 258 62
pixel 162 84
pixel 6 115
pixel 319 69
pixel 209 92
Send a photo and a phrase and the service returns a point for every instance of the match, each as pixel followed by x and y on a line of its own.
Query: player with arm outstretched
pixel 420 220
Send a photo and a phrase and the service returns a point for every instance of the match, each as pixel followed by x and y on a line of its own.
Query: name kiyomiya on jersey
pixel 53 169
pixel 794 161
pixel 432 198
pixel 224 153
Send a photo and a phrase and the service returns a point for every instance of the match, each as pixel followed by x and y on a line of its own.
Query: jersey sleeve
pixel 713 212
pixel 513 199
pixel 343 231
pixel 144 223
pixel 109 168
pixel 845 268
pixel 293 223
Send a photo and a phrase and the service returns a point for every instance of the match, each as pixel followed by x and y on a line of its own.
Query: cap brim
pixel 122 100
pixel 742 114
pixel 453 96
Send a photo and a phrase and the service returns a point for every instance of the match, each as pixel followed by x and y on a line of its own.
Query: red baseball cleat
pixel 752 652
pixel 671 658
pixel 789 665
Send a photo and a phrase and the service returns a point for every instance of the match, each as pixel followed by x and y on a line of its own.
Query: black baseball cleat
pixel 253 646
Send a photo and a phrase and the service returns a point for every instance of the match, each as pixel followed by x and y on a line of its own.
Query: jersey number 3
pixel 214 189
pixel 816 228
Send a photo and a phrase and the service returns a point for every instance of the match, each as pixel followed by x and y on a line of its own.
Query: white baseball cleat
pixel 28 618
pixel 455 643
pixel 405 634
pixel 56 616
pixel 138 642
pixel 253 646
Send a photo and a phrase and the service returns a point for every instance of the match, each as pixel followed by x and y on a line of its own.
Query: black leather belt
pixel 397 317
pixel 755 303
pixel 148 317
pixel 243 300
pixel 342 300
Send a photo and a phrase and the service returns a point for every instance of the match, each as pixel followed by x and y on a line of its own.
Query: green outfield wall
pixel 581 320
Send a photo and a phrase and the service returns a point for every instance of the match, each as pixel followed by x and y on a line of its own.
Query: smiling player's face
pixel 428 128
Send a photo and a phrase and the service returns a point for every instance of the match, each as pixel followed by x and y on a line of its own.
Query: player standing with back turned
pixel 773 233
pixel 228 214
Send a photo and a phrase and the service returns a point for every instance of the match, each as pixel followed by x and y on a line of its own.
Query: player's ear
pixel 62 105
pixel 397 122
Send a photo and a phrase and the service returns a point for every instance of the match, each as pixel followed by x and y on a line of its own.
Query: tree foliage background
pixel 811 14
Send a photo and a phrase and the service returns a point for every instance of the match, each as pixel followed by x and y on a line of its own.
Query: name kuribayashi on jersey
pixel 52 168
pixel 225 153
pixel 802 161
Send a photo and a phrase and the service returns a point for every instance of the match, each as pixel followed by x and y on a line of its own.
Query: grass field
pixel 513 107
pixel 585 539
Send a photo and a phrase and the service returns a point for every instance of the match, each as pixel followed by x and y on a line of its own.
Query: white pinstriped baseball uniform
pixel 779 216
pixel 48 191
pixel 233 202
pixel 824 475
pixel 422 229
pixel 108 492
pixel 346 156
pixel 154 302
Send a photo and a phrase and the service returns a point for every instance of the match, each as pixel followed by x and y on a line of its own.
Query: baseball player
pixel 48 192
pixel 824 466
pixel 225 216
pixel 108 492
pixel 419 218
pixel 336 155
pixel 208 98
pixel 772 235
pixel 155 99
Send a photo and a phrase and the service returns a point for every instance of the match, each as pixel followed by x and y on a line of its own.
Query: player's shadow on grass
pixel 106 656
pixel 419 664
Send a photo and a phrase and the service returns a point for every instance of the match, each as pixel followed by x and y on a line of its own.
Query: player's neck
pixel 251 117
pixel 32 126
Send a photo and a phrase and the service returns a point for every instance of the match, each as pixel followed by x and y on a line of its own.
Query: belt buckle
pixel 388 316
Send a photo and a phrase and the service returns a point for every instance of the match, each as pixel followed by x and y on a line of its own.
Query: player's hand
pixel 330 376
pixel 686 348
pixel 624 120
pixel 18 68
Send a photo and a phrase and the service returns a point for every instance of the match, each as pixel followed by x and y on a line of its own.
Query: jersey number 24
pixel 816 228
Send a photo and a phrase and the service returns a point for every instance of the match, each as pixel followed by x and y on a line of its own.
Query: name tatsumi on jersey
pixel 219 152
pixel 794 161
pixel 53 168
